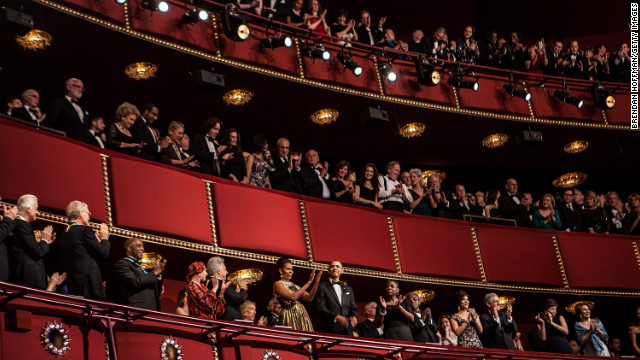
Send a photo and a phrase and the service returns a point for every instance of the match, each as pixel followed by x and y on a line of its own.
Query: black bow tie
pixel 73 101
pixel 336 283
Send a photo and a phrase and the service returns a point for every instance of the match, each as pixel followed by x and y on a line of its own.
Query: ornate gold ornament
pixel 141 70
pixel 55 339
pixel 325 116
pixel 149 260
pixel 250 276
pixel 425 295
pixel 237 97
pixel 35 40
pixel 571 308
pixel 411 130
pixel 495 140
pixel 170 349
pixel 575 147
pixel 506 301
pixel 569 180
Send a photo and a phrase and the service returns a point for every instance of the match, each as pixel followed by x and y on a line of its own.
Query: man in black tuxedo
pixel 442 202
pixel 142 132
pixel 509 204
pixel 365 34
pixel 96 132
pixel 133 285
pixel 572 216
pixel 29 111
pixel 620 64
pixel 314 177
pixel 275 309
pixel 276 10
pixel 336 303
pixel 81 249
pixel 26 249
pixel 368 328
pixel 575 65
pixel 525 217
pixel 463 201
pixel 418 43
pixel 437 44
pixel 7 224
pixel 423 328
pixel 556 59
pixel 498 326
pixel 66 114
pixel 234 295
pixel 283 178
pixel 205 148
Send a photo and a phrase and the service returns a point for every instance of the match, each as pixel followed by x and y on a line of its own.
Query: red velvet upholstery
pixel 152 198
pixel 407 86
pixel 333 71
pixel 353 236
pixel 621 113
pixel 546 105
pixel 133 345
pixel 599 261
pixel 53 169
pixel 491 96
pixel 261 221
pixel 436 247
pixel 519 255
pixel 106 9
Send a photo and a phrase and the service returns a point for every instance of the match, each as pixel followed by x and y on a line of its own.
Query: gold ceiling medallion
pixel 325 116
pixel 506 301
pixel 571 308
pixel 35 40
pixel 150 259
pixel 425 295
pixel 495 140
pixel 55 339
pixel 270 355
pixel 237 97
pixel 170 349
pixel 575 147
pixel 250 276
pixel 569 180
pixel 141 70
pixel 410 130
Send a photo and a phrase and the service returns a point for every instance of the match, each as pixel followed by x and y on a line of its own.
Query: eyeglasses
pixel 79 87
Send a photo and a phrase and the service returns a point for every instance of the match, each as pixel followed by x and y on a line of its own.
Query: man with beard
pixel 66 114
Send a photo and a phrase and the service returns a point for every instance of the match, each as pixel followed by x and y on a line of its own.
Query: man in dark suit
pixel 283 177
pixel 66 114
pixel 142 132
pixel 275 310
pixel 336 303
pixel 498 326
pixel 365 34
pixel 314 177
pixel 418 43
pixel 571 214
pixel 205 148
pixel 81 249
pixel 509 204
pixel 29 111
pixel 26 249
pixel 96 132
pixel 423 328
pixel 234 295
pixel 442 202
pixel 6 228
pixel 133 285
pixel 575 65
pixel 368 328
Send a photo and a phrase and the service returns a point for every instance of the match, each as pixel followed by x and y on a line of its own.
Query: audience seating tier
pixel 546 105
pixel 407 86
pixel 436 247
pixel 519 255
pixel 355 236
pixel 261 221
pixel 156 199
pixel 491 96
pixel 47 166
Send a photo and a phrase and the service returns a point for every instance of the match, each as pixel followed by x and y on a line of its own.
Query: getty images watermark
pixel 634 65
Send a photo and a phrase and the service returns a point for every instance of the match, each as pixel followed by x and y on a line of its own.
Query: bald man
pixel 134 285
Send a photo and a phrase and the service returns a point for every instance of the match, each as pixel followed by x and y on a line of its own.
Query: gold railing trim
pixel 210 207
pixel 476 248
pixel 556 246
pixel 305 230
pixel 107 192
pixel 394 244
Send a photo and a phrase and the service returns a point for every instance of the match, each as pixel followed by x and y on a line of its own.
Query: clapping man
pixel 498 326
pixel 336 304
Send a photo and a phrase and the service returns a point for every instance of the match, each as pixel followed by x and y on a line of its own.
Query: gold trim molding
pixel 394 244
pixel 556 246
pixel 107 192
pixel 212 218
pixel 476 248
pixel 305 228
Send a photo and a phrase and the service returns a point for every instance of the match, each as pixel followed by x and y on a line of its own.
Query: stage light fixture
pixel 153 5
pixel 426 71
pixel 386 70
pixel 121 1
pixel 316 52
pixel 195 15
pixel 567 98
pixel 235 27
pixel 514 90
pixel 276 42
pixel 350 64
pixel 602 97
pixel 460 82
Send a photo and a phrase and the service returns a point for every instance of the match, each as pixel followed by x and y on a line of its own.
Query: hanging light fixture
pixel 316 52
pixel 602 97
pixel 386 70
pixel 411 130
pixel 237 97
pixel 35 40
pixel 325 116
pixel 457 79
pixel 153 5
pixel 276 42
pixel 495 140
pixel 575 147
pixel 193 16
pixel 426 71
pixel 571 308
pixel 569 180
pixel 348 63
pixel 141 70
pixel 235 27
pixel 564 96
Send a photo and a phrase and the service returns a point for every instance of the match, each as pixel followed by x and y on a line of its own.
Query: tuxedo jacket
pixel 23 114
pixel 423 333
pixel 233 300
pixel 441 209
pixel 368 329
pixel 6 228
pixel 136 287
pixel 199 148
pixel 273 320
pixel 508 207
pixel 26 256
pixel 92 140
pixel 311 184
pixel 574 220
pixel 141 132
pixel 282 178
pixel 81 253
pixel 498 336
pixel 363 35
pixel 64 117
pixel 329 307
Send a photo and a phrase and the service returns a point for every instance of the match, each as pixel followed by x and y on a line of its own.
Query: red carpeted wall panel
pixel 351 235
pixel 151 198
pixel 436 247
pixel 407 86
pixel 261 221
pixel 600 261
pixel 491 96
pixel 334 72
pixel 519 256
pixel 546 105
pixel 48 166
pixel 139 345
pixel 103 8
pixel 621 113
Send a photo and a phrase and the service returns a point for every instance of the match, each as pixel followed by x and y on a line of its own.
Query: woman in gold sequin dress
pixel 290 295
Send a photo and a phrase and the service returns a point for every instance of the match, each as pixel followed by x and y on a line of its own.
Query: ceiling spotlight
pixel 121 1
pixel 235 27
pixel 386 70
pixel 276 42
pixel 316 52
pixel 602 97
pixel 514 90
pixel 426 71
pixel 350 64
pixel 565 97
pixel 153 5
pixel 460 82
pixel 193 16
